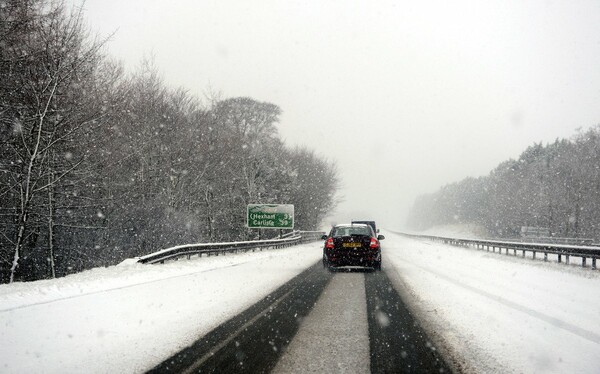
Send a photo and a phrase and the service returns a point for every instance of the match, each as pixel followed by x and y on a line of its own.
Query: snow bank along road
pixel 489 313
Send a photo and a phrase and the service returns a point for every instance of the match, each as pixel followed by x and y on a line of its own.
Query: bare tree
pixel 53 60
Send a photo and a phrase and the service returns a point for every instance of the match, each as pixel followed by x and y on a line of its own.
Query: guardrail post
pixel 533 255
pixel 594 263
pixel 545 256
pixel 559 258
pixel 583 262
pixel 567 259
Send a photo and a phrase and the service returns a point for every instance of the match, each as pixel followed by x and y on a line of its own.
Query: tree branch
pixel 59 177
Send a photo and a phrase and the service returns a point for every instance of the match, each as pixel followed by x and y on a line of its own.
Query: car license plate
pixel 351 245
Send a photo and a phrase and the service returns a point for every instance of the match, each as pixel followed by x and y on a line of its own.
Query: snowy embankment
pixel 498 313
pixel 464 231
pixel 129 318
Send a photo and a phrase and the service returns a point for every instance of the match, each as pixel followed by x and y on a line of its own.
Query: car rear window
pixel 349 231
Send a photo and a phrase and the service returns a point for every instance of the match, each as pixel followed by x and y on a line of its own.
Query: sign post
pixel 270 216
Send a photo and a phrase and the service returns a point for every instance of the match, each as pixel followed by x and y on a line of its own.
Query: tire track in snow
pixel 252 341
pixel 398 342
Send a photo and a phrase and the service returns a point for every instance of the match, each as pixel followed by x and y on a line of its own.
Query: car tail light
pixel 374 243
pixel 329 243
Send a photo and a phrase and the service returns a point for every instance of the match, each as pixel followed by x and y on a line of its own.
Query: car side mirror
pixel 380 237
pixel 324 237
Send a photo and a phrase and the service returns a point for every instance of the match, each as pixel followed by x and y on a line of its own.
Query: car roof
pixel 351 225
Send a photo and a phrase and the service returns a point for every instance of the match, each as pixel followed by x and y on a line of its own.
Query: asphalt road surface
pixel 318 322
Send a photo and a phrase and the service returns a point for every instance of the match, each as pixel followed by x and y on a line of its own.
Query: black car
pixel 352 245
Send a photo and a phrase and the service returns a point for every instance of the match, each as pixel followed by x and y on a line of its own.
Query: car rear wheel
pixel 377 265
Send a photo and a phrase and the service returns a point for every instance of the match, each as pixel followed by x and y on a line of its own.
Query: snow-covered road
pixel 500 313
pixel 334 338
pixel 130 318
pixel 494 313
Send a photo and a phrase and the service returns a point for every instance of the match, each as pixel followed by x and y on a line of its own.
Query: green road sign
pixel 270 216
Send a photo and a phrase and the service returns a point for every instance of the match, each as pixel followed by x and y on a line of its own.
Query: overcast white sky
pixel 405 96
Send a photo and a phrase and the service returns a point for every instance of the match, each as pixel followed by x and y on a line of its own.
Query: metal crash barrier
pixel 189 250
pixel 560 250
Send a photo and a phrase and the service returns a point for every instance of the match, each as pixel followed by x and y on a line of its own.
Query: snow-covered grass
pixel 129 318
pixel 499 313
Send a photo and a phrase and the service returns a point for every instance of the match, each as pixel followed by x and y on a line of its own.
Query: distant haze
pixel 404 96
